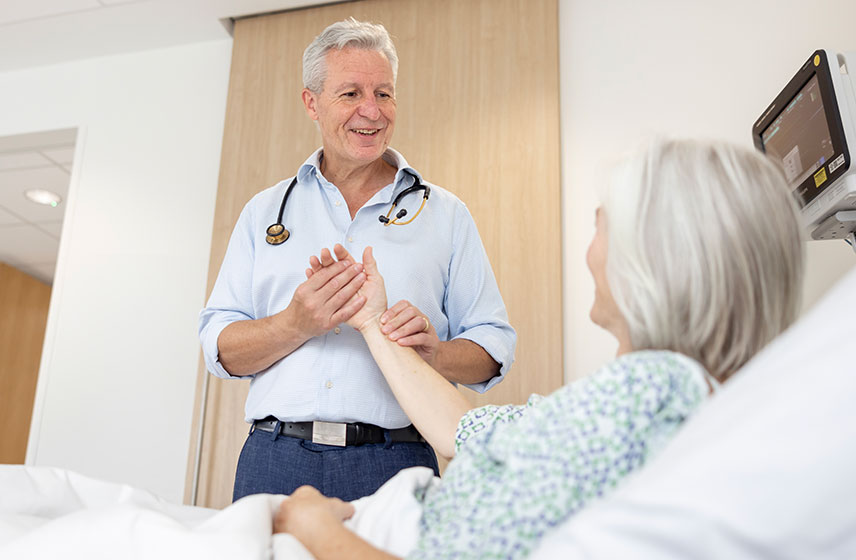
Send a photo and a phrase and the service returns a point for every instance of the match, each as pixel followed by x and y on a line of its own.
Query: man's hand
pixel 405 324
pixel 370 300
pixel 328 297
pixel 307 513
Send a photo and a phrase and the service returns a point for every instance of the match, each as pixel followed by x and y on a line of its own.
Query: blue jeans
pixel 275 464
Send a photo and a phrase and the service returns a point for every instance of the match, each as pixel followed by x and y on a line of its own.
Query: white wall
pixel 118 372
pixel 704 69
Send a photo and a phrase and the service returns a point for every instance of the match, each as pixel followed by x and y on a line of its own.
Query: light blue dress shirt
pixel 437 262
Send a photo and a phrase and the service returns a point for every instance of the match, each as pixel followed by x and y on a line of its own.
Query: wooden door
pixel 24 305
pixel 478 113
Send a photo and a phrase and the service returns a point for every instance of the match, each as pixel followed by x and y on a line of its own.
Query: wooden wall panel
pixel 24 305
pixel 478 113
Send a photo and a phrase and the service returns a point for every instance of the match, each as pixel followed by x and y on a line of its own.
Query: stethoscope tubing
pixel 276 234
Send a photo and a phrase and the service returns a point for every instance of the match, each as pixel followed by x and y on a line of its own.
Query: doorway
pixel 35 172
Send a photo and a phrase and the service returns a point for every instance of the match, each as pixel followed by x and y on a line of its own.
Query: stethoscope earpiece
pixel 277 234
pixel 415 187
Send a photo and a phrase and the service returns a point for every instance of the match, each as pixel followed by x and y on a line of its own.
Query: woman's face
pixel 604 312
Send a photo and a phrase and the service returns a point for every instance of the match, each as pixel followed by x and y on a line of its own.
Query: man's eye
pixel 349 94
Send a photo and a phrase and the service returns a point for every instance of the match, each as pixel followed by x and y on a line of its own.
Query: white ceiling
pixel 43 32
pixel 30 232
pixel 40 32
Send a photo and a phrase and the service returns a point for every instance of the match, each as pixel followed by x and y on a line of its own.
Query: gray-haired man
pixel 321 410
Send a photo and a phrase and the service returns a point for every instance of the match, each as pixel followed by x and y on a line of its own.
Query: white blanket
pixel 50 513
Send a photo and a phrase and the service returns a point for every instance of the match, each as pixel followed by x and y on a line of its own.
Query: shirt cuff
pixel 498 344
pixel 211 352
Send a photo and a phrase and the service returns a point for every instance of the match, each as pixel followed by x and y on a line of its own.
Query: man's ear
pixel 309 102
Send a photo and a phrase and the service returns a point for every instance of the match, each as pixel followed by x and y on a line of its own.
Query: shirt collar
pixel 403 176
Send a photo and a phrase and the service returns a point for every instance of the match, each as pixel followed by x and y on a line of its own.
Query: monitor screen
pixel 799 137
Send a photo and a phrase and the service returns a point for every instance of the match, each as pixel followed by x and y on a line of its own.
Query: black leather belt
pixel 337 433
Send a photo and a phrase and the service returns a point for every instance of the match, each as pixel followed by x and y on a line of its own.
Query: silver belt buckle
pixel 329 433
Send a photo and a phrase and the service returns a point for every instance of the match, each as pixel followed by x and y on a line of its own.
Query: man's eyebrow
pixel 354 85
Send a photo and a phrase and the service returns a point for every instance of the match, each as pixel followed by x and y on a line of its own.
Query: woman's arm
pixel 433 404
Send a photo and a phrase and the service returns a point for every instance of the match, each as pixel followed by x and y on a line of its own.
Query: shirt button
pixel 329 384
pixel 350 240
pixel 338 203
pixel 337 330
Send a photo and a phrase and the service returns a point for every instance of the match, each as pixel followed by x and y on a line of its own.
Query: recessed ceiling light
pixel 41 196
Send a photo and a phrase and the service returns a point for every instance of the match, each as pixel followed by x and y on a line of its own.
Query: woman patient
pixel 697 262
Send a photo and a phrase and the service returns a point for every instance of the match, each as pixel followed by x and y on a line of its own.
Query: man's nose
pixel 369 108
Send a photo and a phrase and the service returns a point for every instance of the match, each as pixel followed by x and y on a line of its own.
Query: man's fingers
pixel 341 252
pixel 326 258
pixel 415 326
pixel 341 296
pixel 340 282
pixel 402 318
pixel 394 310
pixel 323 275
pixel 418 339
pixel 348 310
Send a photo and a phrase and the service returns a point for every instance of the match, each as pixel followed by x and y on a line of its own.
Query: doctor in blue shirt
pixel 321 411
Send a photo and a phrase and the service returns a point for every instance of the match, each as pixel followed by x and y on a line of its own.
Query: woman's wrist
pixel 372 322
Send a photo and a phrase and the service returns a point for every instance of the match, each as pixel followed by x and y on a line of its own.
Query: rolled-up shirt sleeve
pixel 232 297
pixel 473 303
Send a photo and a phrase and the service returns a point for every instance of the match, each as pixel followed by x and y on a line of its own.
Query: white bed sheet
pixel 48 513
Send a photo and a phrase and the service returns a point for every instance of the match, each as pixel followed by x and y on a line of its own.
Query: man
pixel 321 410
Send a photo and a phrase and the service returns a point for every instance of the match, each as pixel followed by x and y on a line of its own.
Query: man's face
pixel 356 107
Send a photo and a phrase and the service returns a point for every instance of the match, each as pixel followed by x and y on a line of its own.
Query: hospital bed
pixel 764 470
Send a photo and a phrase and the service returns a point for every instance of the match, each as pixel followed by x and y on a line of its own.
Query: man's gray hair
pixel 346 33
pixel 705 251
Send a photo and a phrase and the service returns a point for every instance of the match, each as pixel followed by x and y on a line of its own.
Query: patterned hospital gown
pixel 520 470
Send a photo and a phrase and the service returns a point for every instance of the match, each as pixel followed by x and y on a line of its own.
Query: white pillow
pixel 766 469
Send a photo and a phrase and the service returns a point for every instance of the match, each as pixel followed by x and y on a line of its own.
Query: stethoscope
pixel 276 233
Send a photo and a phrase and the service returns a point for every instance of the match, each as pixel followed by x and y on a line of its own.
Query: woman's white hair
pixel 346 33
pixel 705 251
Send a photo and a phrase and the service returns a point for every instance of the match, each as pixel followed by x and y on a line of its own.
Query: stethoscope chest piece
pixel 276 234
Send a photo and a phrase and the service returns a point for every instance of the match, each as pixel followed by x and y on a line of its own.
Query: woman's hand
pixel 307 513
pixel 316 521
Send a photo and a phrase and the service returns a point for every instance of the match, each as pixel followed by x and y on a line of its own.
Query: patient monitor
pixel 811 129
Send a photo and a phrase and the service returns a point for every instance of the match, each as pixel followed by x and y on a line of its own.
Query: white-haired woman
pixel 698 263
